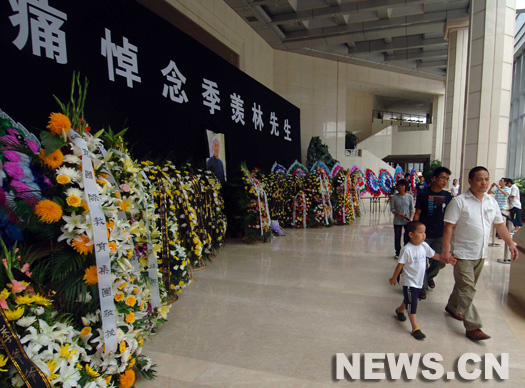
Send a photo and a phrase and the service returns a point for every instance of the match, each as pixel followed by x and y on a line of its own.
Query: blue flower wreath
pixel 399 173
pixel 385 181
pixel 372 183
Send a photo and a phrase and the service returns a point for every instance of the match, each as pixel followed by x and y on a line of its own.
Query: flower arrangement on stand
pixel 173 261
pixel 372 183
pixel 342 198
pixel 318 189
pixel 300 210
pixel 255 207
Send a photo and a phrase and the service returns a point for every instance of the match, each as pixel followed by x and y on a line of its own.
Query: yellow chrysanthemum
pixel 135 290
pixel 13 315
pixel 54 160
pixel 85 331
pixel 91 275
pixel 73 200
pixel 48 211
pixel 79 366
pixel 24 299
pixel 123 206
pixel 122 285
pixel 130 318
pixel 41 300
pixel 140 341
pixel 91 372
pixel 52 365
pixel 131 363
pixel 126 379
pixel 5 293
pixel 3 361
pixel 112 246
pixel 110 224
pixel 142 304
pixel 57 123
pixel 82 246
pixel 65 352
pixel 119 296
pixel 63 179
pixel 131 301
pixel 85 206
pixel 122 347
pixel 130 254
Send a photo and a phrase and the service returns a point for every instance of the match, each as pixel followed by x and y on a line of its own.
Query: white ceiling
pixel 406 36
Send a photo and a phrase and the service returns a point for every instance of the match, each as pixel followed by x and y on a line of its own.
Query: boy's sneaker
pixel 418 334
pixel 396 257
pixel 401 316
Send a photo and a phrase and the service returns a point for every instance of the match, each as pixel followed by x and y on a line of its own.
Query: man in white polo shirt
pixel 468 222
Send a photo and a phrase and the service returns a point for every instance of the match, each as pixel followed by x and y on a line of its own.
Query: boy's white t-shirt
pixel 414 257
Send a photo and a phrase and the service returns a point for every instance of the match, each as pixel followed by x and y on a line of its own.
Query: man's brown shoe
pixel 477 335
pixel 454 315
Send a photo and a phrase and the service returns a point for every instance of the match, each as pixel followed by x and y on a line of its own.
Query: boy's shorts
pixel 411 296
pixel 515 216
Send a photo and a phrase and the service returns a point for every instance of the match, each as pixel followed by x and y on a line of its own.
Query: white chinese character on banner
pixel 126 55
pixel 237 105
pixel 257 117
pixel 286 129
pixel 274 124
pixel 211 95
pixel 173 75
pixel 45 28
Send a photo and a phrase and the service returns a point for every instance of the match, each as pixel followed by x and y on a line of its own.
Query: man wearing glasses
pixel 431 204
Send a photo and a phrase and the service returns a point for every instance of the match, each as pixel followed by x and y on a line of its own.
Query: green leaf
pixel 51 142
pixel 60 201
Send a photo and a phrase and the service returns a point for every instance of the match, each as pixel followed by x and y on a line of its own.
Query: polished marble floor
pixel 274 315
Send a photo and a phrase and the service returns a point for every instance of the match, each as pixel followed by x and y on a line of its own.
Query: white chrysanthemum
pixel 26 321
pixel 72 173
pixel 74 191
pixel 72 159
pixel 38 310
pixel 85 298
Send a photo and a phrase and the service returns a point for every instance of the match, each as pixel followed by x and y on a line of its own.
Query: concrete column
pixel 491 45
pixel 438 110
pixel 457 35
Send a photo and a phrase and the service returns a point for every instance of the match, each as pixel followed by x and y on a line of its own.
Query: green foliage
pixel 114 139
pixel 351 141
pixel 74 109
pixel 427 174
pixel 317 151
pixel 51 142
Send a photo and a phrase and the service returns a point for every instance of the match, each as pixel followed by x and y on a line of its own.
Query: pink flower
pixel 124 187
pixel 12 156
pixel 32 145
pixel 30 291
pixel 13 170
pixel 3 303
pixel 4 260
pixel 17 286
pixel 25 267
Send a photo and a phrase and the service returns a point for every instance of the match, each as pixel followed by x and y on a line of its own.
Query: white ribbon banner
pixel 101 246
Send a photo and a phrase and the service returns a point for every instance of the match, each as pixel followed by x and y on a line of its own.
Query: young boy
pixel 413 262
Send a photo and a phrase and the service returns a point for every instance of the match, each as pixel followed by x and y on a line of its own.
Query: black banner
pixel 144 74
pixel 29 372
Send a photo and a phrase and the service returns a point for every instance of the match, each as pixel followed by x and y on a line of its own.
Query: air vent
pixel 251 19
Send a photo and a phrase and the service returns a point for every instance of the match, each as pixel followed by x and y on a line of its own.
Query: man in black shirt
pixel 431 204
